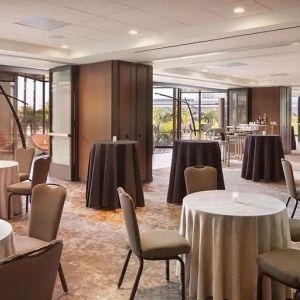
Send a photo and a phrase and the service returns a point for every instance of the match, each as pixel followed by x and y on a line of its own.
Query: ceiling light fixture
pixel 133 32
pixel 205 70
pixel 238 10
pixel 295 44
pixel 65 46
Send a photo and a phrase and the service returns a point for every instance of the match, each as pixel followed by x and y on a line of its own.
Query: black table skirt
pixel 262 158
pixel 191 153
pixel 113 165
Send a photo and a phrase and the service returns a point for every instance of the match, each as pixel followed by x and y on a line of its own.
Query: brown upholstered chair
pixel 30 275
pixel 46 209
pixel 295 229
pixel 24 157
pixel 290 183
pixel 282 265
pixel 39 175
pixel 150 245
pixel 200 178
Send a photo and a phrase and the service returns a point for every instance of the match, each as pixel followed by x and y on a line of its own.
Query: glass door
pixel 238 107
pixel 63 123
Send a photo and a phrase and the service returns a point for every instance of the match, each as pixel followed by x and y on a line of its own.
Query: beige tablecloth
pixel 226 235
pixel 9 174
pixel 7 246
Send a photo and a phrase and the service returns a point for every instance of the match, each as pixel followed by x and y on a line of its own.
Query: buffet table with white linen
pixel 227 230
pixel 7 246
pixel 9 174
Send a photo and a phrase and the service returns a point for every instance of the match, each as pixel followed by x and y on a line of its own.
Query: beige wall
pixel 95 94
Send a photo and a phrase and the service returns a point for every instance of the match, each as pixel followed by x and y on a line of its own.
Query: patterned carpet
pixel 94 241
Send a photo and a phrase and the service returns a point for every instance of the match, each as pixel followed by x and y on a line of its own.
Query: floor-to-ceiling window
pixel 163 117
pixel 34 111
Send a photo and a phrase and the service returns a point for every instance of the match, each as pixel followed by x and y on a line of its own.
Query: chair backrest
pixel 24 157
pixel 131 222
pixel 30 275
pixel 200 178
pixel 40 171
pixel 47 202
pixel 289 177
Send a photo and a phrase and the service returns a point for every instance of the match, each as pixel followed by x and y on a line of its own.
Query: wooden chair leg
pixel 259 286
pixel 287 203
pixel 294 209
pixel 124 268
pixel 62 278
pixel 137 279
pixel 182 275
pixel 168 270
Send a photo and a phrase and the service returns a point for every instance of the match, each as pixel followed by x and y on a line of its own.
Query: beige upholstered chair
pixel 39 175
pixel 150 245
pixel 200 178
pixel 30 275
pixel 46 209
pixel 290 182
pixel 281 265
pixel 24 157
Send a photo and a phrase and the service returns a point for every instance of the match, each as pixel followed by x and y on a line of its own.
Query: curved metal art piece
pixel 6 96
pixel 189 107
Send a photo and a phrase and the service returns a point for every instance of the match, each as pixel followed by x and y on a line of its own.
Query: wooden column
pixel 221 112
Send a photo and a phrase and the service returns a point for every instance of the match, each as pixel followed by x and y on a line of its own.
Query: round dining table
pixel 227 230
pixel 9 174
pixel 7 246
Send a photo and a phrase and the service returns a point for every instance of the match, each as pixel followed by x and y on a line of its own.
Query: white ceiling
pixel 198 42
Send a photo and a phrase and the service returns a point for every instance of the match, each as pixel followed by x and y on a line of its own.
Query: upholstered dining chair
pixel 290 183
pixel 282 265
pixel 47 204
pixel 39 175
pixel 200 178
pixel 30 275
pixel 24 157
pixel 295 229
pixel 150 245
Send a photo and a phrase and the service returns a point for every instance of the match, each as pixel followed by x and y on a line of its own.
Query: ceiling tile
pixel 279 4
pixel 192 14
pixel 102 23
pixel 100 8
pixel 74 30
pixel 251 8
pixel 147 21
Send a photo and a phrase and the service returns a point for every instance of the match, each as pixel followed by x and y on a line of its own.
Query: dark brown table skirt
pixel 262 158
pixel 113 165
pixel 190 153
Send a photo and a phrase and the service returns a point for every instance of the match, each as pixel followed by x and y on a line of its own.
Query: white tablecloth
pixel 7 246
pixel 226 236
pixel 9 174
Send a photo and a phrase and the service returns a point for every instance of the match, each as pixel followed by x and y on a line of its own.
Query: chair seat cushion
pixel 283 265
pixel 158 244
pixel 24 244
pixel 295 230
pixel 23 188
pixel 23 176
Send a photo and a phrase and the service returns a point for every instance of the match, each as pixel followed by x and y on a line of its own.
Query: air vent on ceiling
pixel 279 74
pixel 234 64
pixel 42 23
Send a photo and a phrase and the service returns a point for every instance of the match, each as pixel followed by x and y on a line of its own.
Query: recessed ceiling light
pixel 238 10
pixel 235 76
pixel 295 44
pixel 204 70
pixel 65 46
pixel 133 32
